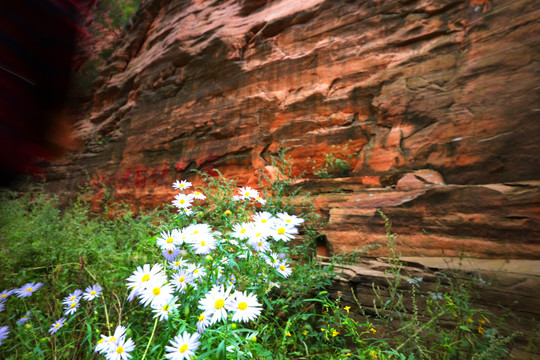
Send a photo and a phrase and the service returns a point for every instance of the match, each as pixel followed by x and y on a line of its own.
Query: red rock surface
pixel 395 86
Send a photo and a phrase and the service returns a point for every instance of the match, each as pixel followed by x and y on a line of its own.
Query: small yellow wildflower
pixel 481 330
pixel 287 334
pixel 372 330
pixel 227 212
pixel 348 354
pixel 323 329
pixel 335 333
pixel 373 354
pixel 483 321
pixel 305 332
pixel 347 308
pixel 470 320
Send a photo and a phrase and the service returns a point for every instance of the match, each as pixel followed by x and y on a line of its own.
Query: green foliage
pixel 115 14
pixel 335 165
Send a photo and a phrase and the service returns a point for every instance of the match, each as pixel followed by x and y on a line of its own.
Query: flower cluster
pixel 23 292
pixel 202 268
pixel 116 347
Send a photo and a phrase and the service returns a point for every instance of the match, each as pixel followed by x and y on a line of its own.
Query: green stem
pixel 106 316
pixel 150 340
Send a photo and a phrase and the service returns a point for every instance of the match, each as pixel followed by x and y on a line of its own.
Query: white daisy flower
pixel 284 269
pixel 74 296
pixel 185 211
pixel 273 260
pixel 71 308
pixel 27 289
pixel 120 349
pixel 195 230
pixel 163 311
pixel 169 239
pixel 292 220
pixel 4 294
pixel 183 346
pixel 245 307
pixel 183 201
pixel 171 254
pixel 4 331
pixel 181 185
pixel 247 193
pixel 257 233
pixel 157 294
pixel 105 344
pixel 198 195
pixel 181 279
pixel 203 321
pixel 263 218
pixel 203 244
pixel 214 303
pixel 57 325
pixel 196 271
pixel 241 230
pixel 24 319
pixel 259 245
pixel 236 198
pixel 281 231
pixel 178 264
pixel 144 275
pixel 92 292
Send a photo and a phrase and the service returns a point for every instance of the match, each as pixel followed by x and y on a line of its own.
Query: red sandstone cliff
pixel 406 85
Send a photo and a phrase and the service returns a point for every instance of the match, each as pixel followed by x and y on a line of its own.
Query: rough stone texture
pixel 484 221
pixel 390 86
pixel 501 292
pixel 408 84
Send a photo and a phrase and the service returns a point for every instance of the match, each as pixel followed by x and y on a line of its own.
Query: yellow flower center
pixel 195 232
pixel 29 289
pixel 183 348
pixel 242 231
pixel 120 350
pixel 288 220
pixel 282 268
pixel 258 234
pixel 281 231
pixel 57 326
pixel 201 318
pixel 146 277
pixel 72 298
pixel 182 279
pixel 156 291
pixel 203 243
pixel 247 193
pixel 3 296
pixel 100 341
pixel 219 304
pixel 166 307
pixel 73 305
pixel 242 306
pixel 93 292
pixel 196 271
pixel 182 201
pixel 170 240
pixel 263 221
pixel 170 252
pixel 260 243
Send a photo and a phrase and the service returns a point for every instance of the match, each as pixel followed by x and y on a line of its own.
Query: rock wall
pixel 389 86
